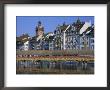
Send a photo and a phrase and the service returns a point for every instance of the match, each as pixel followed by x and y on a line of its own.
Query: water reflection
pixel 51 66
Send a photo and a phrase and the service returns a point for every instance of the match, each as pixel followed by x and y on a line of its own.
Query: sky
pixel 27 24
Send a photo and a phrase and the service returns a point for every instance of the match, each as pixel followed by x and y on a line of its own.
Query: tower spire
pixel 39 23
pixel 39 29
pixel 78 20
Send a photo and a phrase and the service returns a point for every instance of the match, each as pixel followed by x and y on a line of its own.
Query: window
pixel 26 44
pixel 92 40
pixel 69 38
pixel 83 43
pixel 50 45
pixel 82 48
pixel 92 47
pixel 82 38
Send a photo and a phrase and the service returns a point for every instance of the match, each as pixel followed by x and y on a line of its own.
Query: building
pixel 48 39
pixel 39 29
pixel 76 36
pixel 51 40
pixel 58 38
pixel 79 35
pixel 22 42
pixel 32 43
pixel 39 37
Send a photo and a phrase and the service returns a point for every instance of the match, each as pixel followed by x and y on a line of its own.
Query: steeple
pixel 39 29
pixel 78 20
pixel 39 23
pixel 64 24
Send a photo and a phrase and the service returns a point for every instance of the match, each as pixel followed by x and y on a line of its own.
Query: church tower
pixel 39 29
